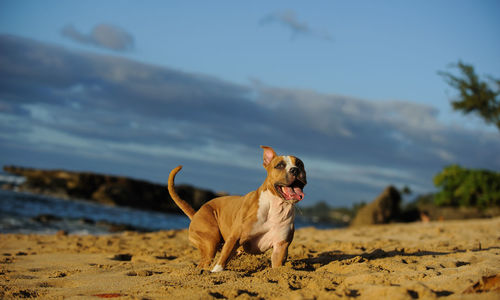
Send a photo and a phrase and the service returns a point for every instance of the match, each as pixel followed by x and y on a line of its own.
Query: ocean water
pixel 20 213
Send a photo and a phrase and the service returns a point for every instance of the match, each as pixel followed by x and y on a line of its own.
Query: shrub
pixel 467 187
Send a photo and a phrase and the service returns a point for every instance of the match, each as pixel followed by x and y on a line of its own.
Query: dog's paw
pixel 217 268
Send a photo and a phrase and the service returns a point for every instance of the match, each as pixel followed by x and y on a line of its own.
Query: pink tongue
pixel 293 194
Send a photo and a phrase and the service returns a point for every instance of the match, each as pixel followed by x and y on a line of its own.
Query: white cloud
pixel 289 19
pixel 102 35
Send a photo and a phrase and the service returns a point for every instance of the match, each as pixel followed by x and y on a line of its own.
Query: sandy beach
pixel 445 260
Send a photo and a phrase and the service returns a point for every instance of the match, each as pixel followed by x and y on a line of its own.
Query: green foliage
pixel 475 95
pixel 324 213
pixel 467 187
pixel 424 200
pixel 405 190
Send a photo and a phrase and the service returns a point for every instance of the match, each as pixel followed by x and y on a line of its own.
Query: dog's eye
pixel 281 165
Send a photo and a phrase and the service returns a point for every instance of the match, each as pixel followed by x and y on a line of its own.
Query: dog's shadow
pixel 325 258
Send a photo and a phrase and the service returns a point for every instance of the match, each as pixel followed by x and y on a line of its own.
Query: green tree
pixel 467 187
pixel 475 95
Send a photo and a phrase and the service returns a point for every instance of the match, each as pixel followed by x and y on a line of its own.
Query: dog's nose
pixel 294 171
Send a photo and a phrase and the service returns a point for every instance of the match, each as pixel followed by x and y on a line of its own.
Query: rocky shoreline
pixel 105 189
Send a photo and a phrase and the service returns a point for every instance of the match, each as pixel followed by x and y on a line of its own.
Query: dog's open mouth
pixel 292 192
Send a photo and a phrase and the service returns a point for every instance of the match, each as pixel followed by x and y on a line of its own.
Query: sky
pixel 136 88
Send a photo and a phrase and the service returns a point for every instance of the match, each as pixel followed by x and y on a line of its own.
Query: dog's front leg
pixel 227 252
pixel 280 253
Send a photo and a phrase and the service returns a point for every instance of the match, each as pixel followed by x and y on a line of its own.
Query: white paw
pixel 217 268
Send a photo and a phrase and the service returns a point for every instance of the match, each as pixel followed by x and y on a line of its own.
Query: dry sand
pixel 445 260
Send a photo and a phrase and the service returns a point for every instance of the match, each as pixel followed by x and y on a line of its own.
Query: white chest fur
pixel 274 221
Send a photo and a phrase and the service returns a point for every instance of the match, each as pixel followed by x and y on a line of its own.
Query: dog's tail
pixel 183 205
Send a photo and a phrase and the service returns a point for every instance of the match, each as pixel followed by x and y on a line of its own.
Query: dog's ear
pixel 269 154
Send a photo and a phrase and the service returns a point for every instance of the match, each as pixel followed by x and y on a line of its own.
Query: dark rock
pixel 8 186
pixel 384 209
pixel 46 218
pixel 108 189
pixel 86 221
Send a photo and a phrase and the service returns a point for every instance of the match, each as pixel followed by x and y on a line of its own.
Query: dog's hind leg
pixel 207 242
pixel 205 236
pixel 207 253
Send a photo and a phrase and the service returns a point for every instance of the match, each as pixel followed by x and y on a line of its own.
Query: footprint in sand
pixel 58 274
pixel 142 273
pixel 122 257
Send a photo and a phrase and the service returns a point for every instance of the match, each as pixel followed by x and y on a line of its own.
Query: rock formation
pixel 107 189
pixel 384 209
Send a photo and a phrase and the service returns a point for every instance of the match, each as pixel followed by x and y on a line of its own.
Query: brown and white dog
pixel 258 221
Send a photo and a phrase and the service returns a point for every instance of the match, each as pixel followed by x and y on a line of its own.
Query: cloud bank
pixel 67 109
pixel 102 35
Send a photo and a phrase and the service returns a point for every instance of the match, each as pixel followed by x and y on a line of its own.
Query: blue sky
pixel 351 87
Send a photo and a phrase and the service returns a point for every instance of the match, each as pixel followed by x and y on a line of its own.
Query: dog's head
pixel 286 176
